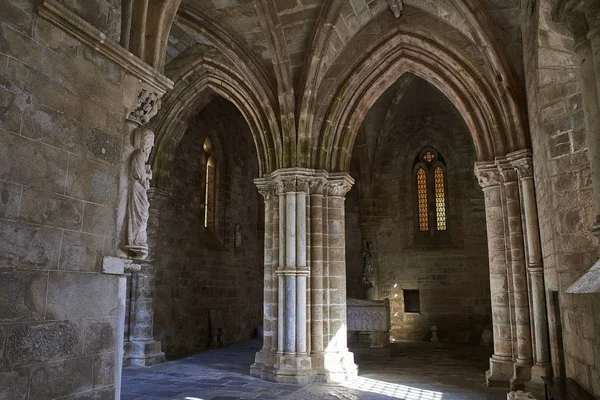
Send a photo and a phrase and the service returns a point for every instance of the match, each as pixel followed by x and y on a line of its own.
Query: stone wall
pixel 61 125
pixel 564 192
pixel 452 275
pixel 197 269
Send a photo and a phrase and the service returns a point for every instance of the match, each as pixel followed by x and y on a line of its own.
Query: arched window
pixel 209 164
pixel 430 180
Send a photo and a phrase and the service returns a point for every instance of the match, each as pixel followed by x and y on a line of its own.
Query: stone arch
pixel 467 18
pixel 205 73
pixel 490 111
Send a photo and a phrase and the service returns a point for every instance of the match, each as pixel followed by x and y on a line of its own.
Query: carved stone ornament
pixel 140 174
pixel 147 107
pixel 317 186
pixel 339 188
pixel 267 189
pixel 286 184
pixel 509 175
pixel 396 6
pixel 488 177
pixel 524 168
pixel 368 259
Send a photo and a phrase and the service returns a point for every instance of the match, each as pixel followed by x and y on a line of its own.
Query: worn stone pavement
pixel 417 371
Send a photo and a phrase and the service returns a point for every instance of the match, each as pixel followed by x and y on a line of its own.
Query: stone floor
pixel 417 371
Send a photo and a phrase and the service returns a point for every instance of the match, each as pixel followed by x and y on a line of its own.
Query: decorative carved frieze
pixel 368 315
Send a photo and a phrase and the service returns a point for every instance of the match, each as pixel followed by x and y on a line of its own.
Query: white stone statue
pixel 140 175
pixel 367 254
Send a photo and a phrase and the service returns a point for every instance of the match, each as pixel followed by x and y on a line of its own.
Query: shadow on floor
pixel 418 371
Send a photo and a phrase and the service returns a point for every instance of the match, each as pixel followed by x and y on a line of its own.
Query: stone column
pixel 317 186
pixel 266 356
pixel 524 358
pixel 501 362
pixel 142 349
pixel 292 357
pixel 338 362
pixel 523 163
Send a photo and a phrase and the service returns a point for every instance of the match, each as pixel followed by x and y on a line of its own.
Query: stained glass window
pixel 440 199
pixel 428 157
pixel 209 183
pixel 422 199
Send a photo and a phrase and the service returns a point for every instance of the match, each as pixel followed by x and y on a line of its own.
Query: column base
pixel 145 353
pixel 286 368
pixel 499 374
pixel 335 367
pixel 521 374
pixel 540 370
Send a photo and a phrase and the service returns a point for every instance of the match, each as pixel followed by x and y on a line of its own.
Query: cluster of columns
pixel 305 336
pixel 519 315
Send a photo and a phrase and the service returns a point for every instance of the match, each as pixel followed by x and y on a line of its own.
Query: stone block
pixel 46 125
pixel 103 146
pixel 16 15
pixel 45 208
pixel 99 336
pixel 22 296
pixel 104 369
pixel 10 197
pixel 32 163
pixel 81 252
pixel 61 379
pixel 55 39
pixel 92 181
pixel 43 343
pixel 27 246
pixel 12 106
pixel 19 46
pixel 14 384
pixel 99 220
pixel 81 295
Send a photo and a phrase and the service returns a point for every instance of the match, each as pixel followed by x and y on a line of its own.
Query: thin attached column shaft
pixel 281 278
pixel 519 274
pixel 290 273
pixel 316 276
pixel 302 272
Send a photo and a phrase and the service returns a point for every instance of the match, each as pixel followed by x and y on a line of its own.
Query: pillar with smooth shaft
pixel 317 187
pixel 524 357
pixel 501 362
pixel 523 163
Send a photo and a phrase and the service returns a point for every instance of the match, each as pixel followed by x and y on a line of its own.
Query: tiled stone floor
pixel 417 371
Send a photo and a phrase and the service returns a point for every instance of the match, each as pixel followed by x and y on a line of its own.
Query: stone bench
pixel 370 317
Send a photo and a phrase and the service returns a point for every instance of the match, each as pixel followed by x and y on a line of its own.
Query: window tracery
pixel 431 190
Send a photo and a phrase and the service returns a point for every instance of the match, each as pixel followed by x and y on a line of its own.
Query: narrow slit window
pixel 440 199
pixel 210 184
pixel 422 199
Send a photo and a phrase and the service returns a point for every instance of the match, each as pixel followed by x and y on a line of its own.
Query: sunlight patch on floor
pixel 391 389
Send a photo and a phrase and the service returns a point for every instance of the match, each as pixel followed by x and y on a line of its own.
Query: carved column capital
pixel 266 187
pixel 508 174
pixel 285 184
pixel 148 104
pixel 339 184
pixel 487 174
pixel 317 185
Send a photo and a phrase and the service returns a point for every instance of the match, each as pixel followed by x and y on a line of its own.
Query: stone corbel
pixel 119 266
pixel 148 104
pixel 396 6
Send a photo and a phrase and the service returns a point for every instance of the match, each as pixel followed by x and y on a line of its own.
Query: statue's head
pixel 143 139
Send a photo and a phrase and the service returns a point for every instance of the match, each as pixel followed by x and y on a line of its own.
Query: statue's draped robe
pixel 137 205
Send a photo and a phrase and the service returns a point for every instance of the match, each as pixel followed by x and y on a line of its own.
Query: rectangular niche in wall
pixel 412 301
